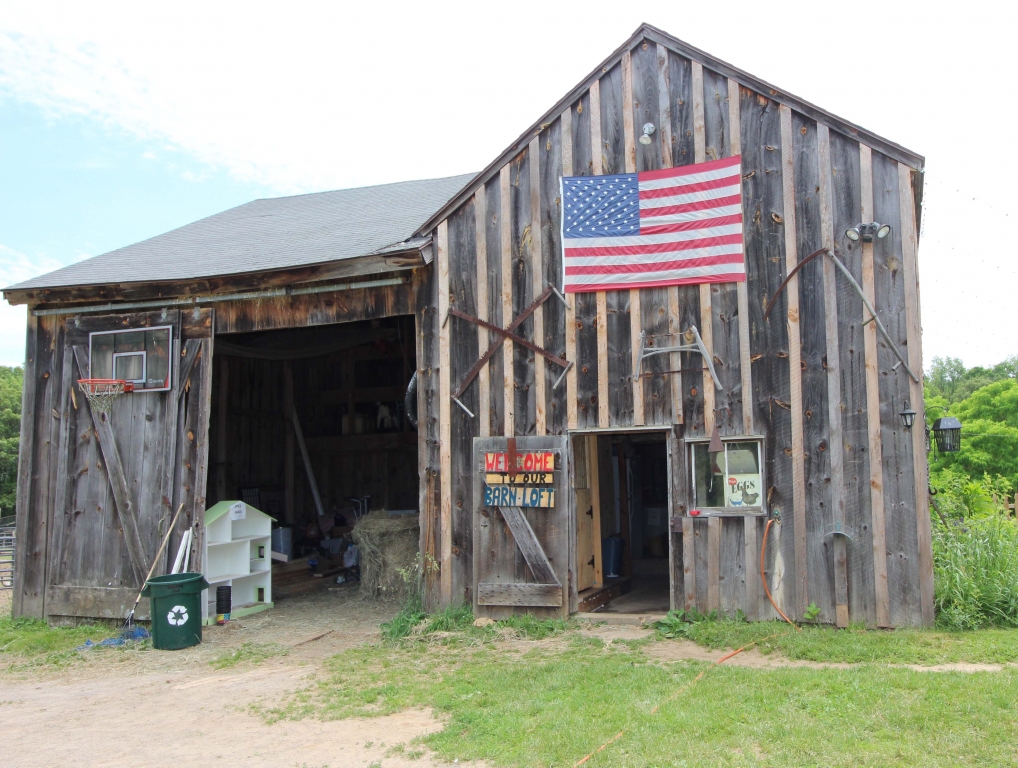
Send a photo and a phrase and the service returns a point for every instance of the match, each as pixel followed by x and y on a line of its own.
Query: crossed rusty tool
pixel 507 333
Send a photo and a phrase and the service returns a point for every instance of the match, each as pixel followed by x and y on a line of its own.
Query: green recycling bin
pixel 176 609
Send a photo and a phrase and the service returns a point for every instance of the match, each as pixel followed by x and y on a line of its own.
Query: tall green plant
pixel 11 382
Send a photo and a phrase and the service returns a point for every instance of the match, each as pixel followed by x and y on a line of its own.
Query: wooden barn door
pixel 521 553
pixel 121 477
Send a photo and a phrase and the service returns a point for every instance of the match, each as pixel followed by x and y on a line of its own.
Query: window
pixel 140 356
pixel 729 480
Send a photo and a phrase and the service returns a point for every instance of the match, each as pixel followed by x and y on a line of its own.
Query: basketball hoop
pixel 102 392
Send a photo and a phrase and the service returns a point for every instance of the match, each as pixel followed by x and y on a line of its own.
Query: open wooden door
pixel 121 476
pixel 521 526
pixel 586 486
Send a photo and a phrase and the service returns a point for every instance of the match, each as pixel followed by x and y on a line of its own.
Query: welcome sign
pixel 519 478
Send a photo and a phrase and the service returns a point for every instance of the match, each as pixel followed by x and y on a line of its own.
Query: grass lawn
pixel 550 703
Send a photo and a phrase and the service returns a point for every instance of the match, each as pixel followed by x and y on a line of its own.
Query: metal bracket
pixel 698 348
pixel 838 529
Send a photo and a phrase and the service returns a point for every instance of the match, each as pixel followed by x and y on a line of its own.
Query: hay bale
pixel 388 544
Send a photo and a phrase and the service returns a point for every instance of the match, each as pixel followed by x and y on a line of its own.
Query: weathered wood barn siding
pixel 820 386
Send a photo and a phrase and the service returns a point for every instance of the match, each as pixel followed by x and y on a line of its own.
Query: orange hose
pixel 763 550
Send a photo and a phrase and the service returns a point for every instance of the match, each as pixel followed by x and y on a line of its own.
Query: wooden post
pixel 505 231
pixel 635 306
pixel 483 335
pixel 222 404
pixel 873 400
pixel 794 362
pixel 567 170
pixel 445 408
pixel 834 400
pixel 537 269
pixel 706 314
pixel 288 445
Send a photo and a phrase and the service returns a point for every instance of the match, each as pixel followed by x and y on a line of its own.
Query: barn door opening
pixel 621 486
pixel 122 475
pixel 522 526
pixel 309 427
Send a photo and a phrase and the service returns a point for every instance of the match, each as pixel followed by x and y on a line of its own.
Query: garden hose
pixel 763 578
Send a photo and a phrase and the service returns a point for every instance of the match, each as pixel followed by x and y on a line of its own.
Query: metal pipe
pixel 215 299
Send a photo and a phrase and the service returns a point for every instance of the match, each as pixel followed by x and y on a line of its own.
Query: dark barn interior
pixel 346 384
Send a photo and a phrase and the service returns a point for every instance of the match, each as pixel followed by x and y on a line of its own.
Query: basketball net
pixel 102 392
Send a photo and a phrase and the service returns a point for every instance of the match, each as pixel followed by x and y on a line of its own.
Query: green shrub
pixel 976 573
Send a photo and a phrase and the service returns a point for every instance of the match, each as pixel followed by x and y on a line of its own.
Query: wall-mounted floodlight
pixel 648 129
pixel 866 232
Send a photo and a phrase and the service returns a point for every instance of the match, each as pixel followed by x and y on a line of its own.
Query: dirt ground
pixel 157 709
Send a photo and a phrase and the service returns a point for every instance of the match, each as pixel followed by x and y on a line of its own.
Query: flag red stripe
pixel 690 226
pixel 733 277
pixel 664 266
pixel 683 245
pixel 685 170
pixel 687 189
pixel 699 205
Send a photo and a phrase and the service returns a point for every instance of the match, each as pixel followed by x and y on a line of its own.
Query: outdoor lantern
pixel 907 416
pixel 947 432
pixel 648 129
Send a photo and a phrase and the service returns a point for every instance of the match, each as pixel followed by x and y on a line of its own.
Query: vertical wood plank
pixel 688 563
pixel 873 400
pixel 289 446
pixel 505 232
pixel 567 170
pixel 537 267
pixel 674 326
pixel 553 311
pixel 909 243
pixel 745 366
pixel 664 107
pixel 794 362
pixel 635 310
pixel 597 165
pixel 23 582
pixel 483 341
pixel 444 412
pixel 706 315
pixel 713 563
pixel 834 400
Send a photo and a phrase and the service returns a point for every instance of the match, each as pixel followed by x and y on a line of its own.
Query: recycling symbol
pixel 177 616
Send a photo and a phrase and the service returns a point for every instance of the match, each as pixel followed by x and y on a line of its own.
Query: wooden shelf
pixel 237 540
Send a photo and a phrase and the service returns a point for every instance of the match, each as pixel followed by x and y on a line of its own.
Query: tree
pixel 989 443
pixel 11 381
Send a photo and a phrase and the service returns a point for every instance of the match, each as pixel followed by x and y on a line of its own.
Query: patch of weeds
pixel 33 637
pixel 395 749
pixel 682 624
pixel 253 653
pixel 415 754
pixel 403 623
pixel 812 613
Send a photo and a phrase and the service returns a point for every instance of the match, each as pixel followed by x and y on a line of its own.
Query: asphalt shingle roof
pixel 269 234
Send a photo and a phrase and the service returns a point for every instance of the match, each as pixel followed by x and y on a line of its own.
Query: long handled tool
pixel 130 617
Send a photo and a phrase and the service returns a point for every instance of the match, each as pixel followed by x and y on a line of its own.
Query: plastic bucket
pixel 176 609
pixel 611 556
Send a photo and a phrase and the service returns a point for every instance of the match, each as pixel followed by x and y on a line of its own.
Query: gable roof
pixel 271 234
pixel 652 34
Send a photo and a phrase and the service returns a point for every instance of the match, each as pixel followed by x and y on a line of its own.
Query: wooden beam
pixel 26 459
pixel 290 448
pixel 505 233
pixel 742 293
pixel 483 340
pixel 635 308
pixel 675 328
pixel 201 455
pixel 910 246
pixel 567 170
pixel 794 362
pixel 531 549
pixel 222 443
pixel 594 478
pixel 873 400
pixel 537 270
pixel 836 448
pixel 522 595
pixel 444 414
pixel 706 313
pixel 118 482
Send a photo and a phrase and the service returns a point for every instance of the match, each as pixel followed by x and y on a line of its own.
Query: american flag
pixel 641 230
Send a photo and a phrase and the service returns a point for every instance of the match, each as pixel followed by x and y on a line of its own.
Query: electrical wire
pixel 763 578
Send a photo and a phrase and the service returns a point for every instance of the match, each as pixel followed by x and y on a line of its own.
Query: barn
pixel 729 442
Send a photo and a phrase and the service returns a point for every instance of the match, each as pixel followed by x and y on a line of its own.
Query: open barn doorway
pixel 621 490
pixel 309 426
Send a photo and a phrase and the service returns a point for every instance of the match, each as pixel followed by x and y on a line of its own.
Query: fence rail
pixel 7 542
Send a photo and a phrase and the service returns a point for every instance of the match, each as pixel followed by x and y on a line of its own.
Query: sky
pixel 120 121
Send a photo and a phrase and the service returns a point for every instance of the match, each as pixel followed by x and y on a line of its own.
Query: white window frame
pixel 757 511
pixel 139 384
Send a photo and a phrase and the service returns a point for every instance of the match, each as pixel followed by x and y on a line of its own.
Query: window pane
pixel 157 365
pixel 101 364
pixel 133 341
pixel 743 480
pixel 709 478
pixel 129 367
